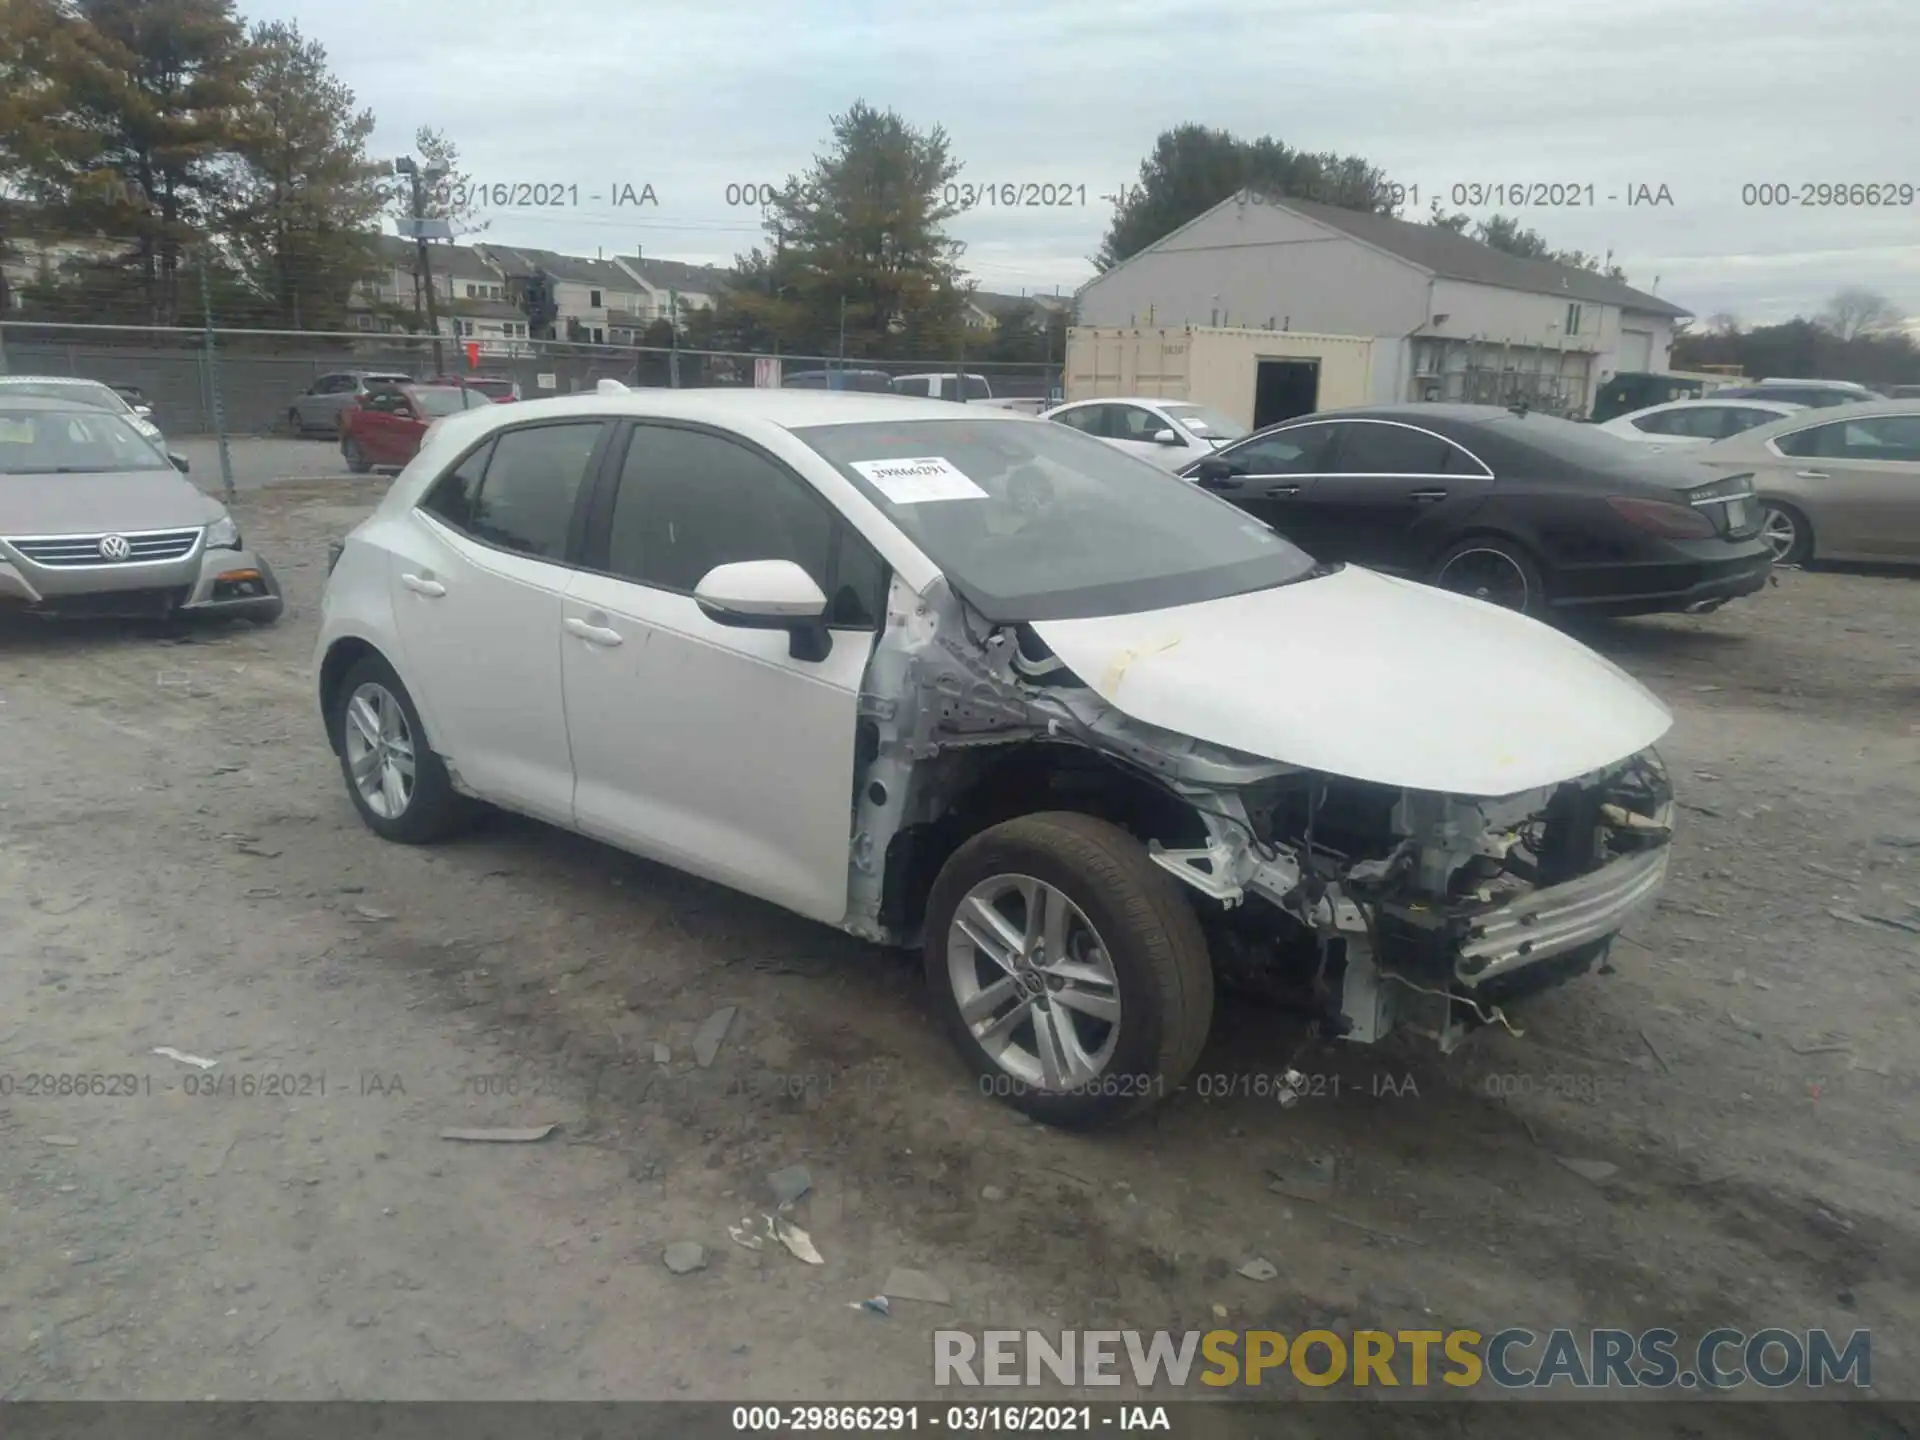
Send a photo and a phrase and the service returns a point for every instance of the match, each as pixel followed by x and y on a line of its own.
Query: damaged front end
pixel 1376 907
pixel 1385 909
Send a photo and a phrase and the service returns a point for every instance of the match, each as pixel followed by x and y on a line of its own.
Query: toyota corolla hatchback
pixel 977 684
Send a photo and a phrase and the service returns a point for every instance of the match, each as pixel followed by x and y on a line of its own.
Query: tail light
pixel 1661 517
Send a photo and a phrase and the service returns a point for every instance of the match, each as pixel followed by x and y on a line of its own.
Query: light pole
pixel 421 229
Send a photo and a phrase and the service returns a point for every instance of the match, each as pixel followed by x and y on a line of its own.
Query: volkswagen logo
pixel 115 547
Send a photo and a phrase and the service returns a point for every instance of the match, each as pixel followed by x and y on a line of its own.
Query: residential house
pixel 668 287
pixel 584 294
pixel 469 293
pixel 1459 319
pixel 34 262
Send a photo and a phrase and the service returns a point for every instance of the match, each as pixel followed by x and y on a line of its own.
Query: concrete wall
pixel 1255 265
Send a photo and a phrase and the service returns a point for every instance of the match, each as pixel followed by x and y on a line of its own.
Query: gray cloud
pixel 1703 98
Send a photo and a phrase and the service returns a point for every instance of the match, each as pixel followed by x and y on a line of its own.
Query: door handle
pixel 593 634
pixel 420 585
pixel 1810 475
pixel 1426 496
pixel 1283 490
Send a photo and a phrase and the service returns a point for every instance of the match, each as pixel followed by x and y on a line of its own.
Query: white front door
pixel 708 747
pixel 477 577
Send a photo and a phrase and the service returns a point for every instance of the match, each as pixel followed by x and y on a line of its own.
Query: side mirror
pixel 1214 473
pixel 179 462
pixel 768 595
pixel 1167 437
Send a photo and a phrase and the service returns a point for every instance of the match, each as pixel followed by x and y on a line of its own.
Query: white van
pixel 941 387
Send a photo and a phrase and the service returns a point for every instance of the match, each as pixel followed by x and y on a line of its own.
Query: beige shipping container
pixel 1258 377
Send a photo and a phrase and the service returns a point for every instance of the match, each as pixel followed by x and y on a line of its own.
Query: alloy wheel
pixel 1488 575
pixel 1034 982
pixel 1781 533
pixel 380 756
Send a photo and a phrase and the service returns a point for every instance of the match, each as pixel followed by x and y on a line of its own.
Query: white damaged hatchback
pixel 976 683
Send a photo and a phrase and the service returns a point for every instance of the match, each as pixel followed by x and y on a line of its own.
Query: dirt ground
pixel 179 866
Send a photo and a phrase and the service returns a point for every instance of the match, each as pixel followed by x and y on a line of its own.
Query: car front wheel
pixel 396 782
pixel 1070 971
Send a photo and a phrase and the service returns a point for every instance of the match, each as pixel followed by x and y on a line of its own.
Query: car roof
pixel 48 402
pixel 53 380
pixel 1738 402
pixel 788 409
pixel 1127 400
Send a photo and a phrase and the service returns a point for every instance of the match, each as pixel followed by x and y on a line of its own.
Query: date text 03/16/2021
pixel 542 194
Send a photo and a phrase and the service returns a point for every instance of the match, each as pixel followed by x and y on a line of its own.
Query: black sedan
pixel 1519 508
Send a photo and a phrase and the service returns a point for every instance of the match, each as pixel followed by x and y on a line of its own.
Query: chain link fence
pixel 250 379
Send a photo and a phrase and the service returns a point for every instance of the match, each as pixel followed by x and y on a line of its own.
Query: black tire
pixel 1800 552
pixel 1451 572
pixel 1151 937
pixel 355 457
pixel 435 810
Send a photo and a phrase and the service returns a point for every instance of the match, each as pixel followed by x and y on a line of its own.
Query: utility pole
pixel 673 320
pixel 417 179
pixel 843 332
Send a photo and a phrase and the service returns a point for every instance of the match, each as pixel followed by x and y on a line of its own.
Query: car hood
pixel 101 504
pixel 1373 678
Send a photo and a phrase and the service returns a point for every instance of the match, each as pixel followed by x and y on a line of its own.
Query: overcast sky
pixel 1703 98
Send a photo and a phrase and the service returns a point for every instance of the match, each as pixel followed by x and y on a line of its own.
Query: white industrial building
pixel 1451 318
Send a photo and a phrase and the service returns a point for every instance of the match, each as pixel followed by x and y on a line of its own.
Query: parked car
pixel 972 682
pixel 94 394
pixel 1167 433
pixel 1819 393
pixel 1021 404
pixel 383 430
pixel 137 401
pixel 1682 423
pixel 95 520
pixel 318 411
pixel 873 382
pixel 941 387
pixel 1515 507
pixel 496 388
pixel 1834 486
pixel 1904 392
pixel 1633 390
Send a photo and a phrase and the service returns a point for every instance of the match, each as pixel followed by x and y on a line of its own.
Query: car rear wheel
pixel 1497 571
pixel 1787 533
pixel 355 457
pixel 1068 968
pixel 396 782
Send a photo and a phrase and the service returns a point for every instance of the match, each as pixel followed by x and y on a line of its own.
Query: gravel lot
pixel 179 866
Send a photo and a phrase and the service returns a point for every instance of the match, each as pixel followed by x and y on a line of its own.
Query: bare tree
pixel 1723 322
pixel 1857 311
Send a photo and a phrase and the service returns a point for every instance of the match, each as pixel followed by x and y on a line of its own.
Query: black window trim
pixel 596 520
pixel 569 557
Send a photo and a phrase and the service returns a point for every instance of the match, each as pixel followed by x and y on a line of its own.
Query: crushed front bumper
pixel 1550 922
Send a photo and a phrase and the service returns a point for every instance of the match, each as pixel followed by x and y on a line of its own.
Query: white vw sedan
pixel 973 682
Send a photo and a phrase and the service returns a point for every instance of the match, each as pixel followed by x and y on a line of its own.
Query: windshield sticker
pixel 919 480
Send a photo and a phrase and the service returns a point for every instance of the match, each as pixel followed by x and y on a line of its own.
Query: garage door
pixel 1636 351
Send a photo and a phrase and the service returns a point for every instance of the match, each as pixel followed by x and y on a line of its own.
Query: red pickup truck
pixel 383 431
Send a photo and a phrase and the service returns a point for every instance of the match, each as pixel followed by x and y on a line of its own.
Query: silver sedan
pixel 1834 484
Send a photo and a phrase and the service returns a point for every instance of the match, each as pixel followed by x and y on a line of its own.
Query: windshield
pixel 1034 521
pixel 1207 423
pixel 491 388
pixel 449 401
pixel 74 392
pixel 72 442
